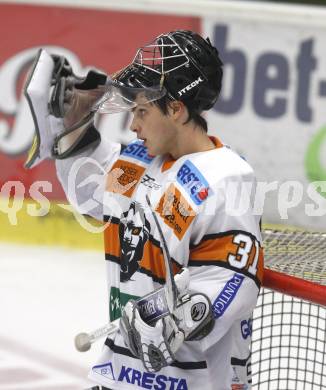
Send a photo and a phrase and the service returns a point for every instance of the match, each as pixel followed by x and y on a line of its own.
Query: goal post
pixel 295 287
pixel 289 326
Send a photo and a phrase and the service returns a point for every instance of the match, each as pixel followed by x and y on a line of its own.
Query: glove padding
pixel 156 344
pixel 60 103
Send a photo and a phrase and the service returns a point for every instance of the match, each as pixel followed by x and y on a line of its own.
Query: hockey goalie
pixel 183 269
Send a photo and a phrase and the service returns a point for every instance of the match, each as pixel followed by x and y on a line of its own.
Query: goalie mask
pixel 119 97
pixel 180 64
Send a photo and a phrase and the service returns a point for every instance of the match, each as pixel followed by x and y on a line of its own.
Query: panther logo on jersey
pixel 134 231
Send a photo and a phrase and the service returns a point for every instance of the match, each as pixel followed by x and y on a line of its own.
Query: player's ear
pixel 176 109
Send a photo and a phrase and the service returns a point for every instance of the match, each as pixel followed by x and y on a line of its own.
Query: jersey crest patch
pixel 105 370
pixel 175 211
pixel 193 182
pixel 138 151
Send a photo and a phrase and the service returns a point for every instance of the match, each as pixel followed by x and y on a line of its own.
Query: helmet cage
pixel 186 64
pixel 162 56
pixel 180 65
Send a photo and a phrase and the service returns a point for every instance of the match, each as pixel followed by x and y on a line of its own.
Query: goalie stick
pixel 171 288
pixel 162 300
pixel 84 341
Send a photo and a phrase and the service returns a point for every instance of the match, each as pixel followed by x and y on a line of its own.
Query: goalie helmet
pixel 183 63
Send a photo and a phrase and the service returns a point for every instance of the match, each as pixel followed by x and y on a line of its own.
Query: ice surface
pixel 47 296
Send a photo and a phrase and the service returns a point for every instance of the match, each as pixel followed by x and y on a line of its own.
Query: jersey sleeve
pixel 226 255
pixel 83 177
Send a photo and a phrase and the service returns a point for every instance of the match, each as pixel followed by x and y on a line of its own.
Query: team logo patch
pixel 123 177
pixel 198 311
pixel 138 151
pixel 193 182
pixel 175 211
pixel 105 370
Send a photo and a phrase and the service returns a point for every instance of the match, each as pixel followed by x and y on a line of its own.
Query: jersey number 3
pixel 241 259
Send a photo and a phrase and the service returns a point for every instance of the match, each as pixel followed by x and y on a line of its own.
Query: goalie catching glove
pixel 156 343
pixel 61 105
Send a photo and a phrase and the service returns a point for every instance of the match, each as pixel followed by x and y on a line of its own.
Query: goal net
pixel 289 326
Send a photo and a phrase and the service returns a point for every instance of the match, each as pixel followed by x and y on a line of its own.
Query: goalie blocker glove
pixel 156 344
pixel 60 103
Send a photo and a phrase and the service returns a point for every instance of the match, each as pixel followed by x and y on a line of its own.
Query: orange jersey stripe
pixel 225 250
pixel 153 261
pixel 111 239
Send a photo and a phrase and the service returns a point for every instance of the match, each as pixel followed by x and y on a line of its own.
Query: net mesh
pixel 288 344
pixel 296 253
pixel 288 341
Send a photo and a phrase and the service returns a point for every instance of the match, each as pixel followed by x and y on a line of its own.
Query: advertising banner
pixel 106 40
pixel 272 110
pixel 103 39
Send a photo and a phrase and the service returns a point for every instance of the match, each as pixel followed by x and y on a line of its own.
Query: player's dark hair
pixel 194 116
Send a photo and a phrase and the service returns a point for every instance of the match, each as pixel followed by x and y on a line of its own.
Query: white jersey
pixel 209 229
